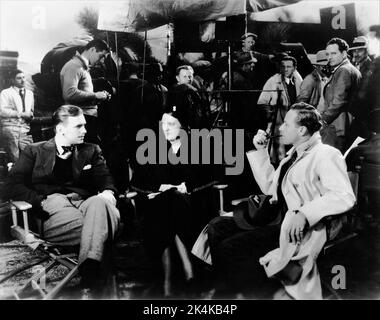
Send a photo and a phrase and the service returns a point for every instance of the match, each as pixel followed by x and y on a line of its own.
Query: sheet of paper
pixel 354 144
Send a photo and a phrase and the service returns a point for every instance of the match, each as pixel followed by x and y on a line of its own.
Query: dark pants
pixel 235 255
pixel 165 216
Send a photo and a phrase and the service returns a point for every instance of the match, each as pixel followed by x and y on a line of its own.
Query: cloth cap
pixel 249 34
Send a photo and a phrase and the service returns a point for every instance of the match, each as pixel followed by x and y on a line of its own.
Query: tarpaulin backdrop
pixel 138 15
pixel 367 12
pixel 341 18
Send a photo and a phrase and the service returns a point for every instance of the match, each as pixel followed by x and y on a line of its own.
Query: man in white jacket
pixel 280 90
pixel 315 184
pixel 16 113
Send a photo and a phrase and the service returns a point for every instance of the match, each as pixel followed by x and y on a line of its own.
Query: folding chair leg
pixel 36 277
pixel 37 287
pixel 114 287
pixel 60 285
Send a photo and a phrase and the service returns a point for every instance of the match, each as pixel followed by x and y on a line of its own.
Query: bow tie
pixel 68 149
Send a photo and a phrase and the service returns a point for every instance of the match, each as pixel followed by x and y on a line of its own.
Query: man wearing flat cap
pixel 248 41
pixel 312 86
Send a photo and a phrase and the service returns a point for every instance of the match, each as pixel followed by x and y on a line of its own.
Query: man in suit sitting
pixel 69 180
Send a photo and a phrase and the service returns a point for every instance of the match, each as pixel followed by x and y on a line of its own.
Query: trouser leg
pixel 64 225
pixel 88 223
pixel 100 223
pixel 25 139
pixel 91 223
pixel 10 141
pixel 239 256
pixel 219 229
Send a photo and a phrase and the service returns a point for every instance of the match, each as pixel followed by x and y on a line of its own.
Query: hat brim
pixel 324 63
pixel 249 34
pixel 355 48
pixel 240 212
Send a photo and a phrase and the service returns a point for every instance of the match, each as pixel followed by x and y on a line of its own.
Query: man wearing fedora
pixel 360 57
pixel 362 61
pixel 312 86
pixel 368 96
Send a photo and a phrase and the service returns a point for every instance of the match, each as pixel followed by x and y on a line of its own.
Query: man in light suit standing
pixel 16 113
pixel 68 181
pixel 280 91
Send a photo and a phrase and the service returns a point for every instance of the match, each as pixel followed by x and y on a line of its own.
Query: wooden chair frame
pixel 49 250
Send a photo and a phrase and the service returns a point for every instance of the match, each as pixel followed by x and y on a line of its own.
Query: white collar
pixel 175 146
pixel 18 89
pixel 289 80
pixel 314 139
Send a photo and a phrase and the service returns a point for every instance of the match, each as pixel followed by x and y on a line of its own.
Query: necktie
pixel 22 95
pixel 68 149
pixel 281 200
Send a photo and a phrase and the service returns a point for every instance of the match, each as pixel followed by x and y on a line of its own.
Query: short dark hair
pixel 98 44
pixel 65 111
pixel 289 58
pixel 308 116
pixel 14 73
pixel 342 44
pixel 184 67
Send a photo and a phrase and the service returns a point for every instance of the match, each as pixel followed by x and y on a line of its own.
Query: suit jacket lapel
pixel 79 159
pixel 48 155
